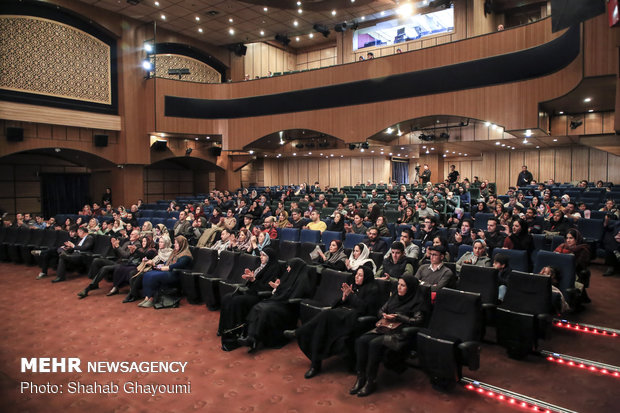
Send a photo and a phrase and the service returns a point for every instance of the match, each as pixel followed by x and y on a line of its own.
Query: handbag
pixel 384 326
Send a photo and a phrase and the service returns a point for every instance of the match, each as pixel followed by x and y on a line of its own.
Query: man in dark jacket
pixel 374 242
pixel 525 177
pixel 73 255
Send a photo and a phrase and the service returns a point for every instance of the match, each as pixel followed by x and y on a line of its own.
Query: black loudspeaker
pixel 14 134
pixel 215 151
pixel 101 140
pixel 160 145
pixel 240 49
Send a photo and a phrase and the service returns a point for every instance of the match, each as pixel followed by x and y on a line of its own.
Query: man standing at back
pixel 525 177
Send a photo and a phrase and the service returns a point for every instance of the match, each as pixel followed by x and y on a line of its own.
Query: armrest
pixel 230 284
pixel 264 294
pixel 470 353
pixel 488 306
pixel 411 331
pixel 213 278
pixel 367 319
pixel 543 323
pixel 295 300
pixel 315 306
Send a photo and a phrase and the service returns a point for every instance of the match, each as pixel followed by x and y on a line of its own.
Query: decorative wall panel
pixel 49 58
pixel 199 71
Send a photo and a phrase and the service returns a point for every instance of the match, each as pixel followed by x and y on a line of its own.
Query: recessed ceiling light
pixel 265 9
pixel 342 156
pixel 402 148
pixel 460 153
pixel 156 4
pixel 591 110
pixel 311 35
pixel 372 151
pixel 310 153
pixel 363 18
pixel 163 17
pixel 333 12
pixel 196 139
pixel 231 31
pixel 383 13
pixel 465 154
pixel 560 113
pixel 452 152
pixel 295 23
pixel 432 149
pixel 497 143
pixel 299 3
pixel 299 11
pixel 262 32
pixel 251 152
pixel 423 147
pixel 230 19
pixel 444 155
pixel 331 154
pixel 528 133
pixel 503 144
pixel 398 154
pixel 297 39
pixel 390 153
pixel 587 100
pixel 199 30
pixel 487 124
pixel 197 18
pixel 555 140
pixel 294 153
pixel 537 147
pixel 362 150
pixel 208 137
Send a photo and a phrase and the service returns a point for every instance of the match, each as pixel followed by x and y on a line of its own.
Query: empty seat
pixel 351 239
pixel 24 235
pixel 591 229
pixel 308 235
pixel 289 234
pixel 481 220
pixel 451 339
pixel 288 250
pixel 326 294
pixel 525 314
pixel 484 281
pixel 204 261
pixel 10 235
pixel 328 236
pixel 36 240
pixel 209 282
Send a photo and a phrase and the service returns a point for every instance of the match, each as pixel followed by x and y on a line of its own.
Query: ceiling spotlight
pixel 364 145
pixel 333 12
pixel 390 153
pixel 362 150
pixel 497 143
pixel 537 147
pixel 231 31
pixel 208 137
pixel 525 142
pixel 295 23
pixel 297 39
pixel 574 124
pixel 230 20
pixel 197 18
pixel 262 32
pixel 586 100
pixel 265 9
pixel 147 65
pixel 363 18
pixel 528 133
pixel 299 11
pixel 503 144
pixel 560 112
pixel 389 130
pixel 199 30
pixel 352 146
pixel 148 47
pixel 591 110
pixel 405 10
pixel 321 29
pixel 163 17
pixel 156 4
pixel 251 152
pixel 493 126
pixel 487 124
pixel 311 35
pixel 299 3
pixel 555 140
pixel 402 148
pixel 294 153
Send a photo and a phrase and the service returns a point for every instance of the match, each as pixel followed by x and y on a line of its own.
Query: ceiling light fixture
pixel 262 32
pixel 265 9
pixel 299 11
pixel 197 18
pixel 333 12
pixel 528 133
pixel 231 31
pixel 311 35
pixel 586 100
pixel 591 110
pixel 156 4
pixel 295 23
pixel 230 20
pixel 199 30
pixel 297 39
pixel 163 17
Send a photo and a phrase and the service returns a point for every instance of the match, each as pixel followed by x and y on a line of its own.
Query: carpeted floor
pixel 40 319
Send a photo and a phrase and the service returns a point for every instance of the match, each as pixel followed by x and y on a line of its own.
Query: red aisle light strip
pixel 586 328
pixel 511 398
pixel 589 365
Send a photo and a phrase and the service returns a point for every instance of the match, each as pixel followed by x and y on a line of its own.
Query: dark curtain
pixel 64 193
pixel 400 171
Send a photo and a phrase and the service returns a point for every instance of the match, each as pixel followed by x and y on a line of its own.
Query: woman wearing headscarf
pixel 147 229
pixel 334 258
pixel 269 318
pixel 180 258
pixel 409 307
pixel 331 331
pixel 337 223
pixel 359 256
pixel 259 243
pixel 235 306
pixel 381 225
pixel 243 241
pixel 160 231
pixel 164 252
pixel 519 239
pixel 125 270
pixel 575 244
pixel 374 213
pixel 282 219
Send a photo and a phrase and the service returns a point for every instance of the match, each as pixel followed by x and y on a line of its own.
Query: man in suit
pixel 182 226
pixel 73 255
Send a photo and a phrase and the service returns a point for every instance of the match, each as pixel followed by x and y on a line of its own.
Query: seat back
pixel 517 259
pixel 540 242
pixel 224 266
pixel 308 235
pixel 22 236
pixel 205 259
pixel 564 263
pixel 289 234
pixel 481 280
pixel 329 289
pixel 528 293
pixel 49 238
pixel 36 236
pixel 481 220
pixel 591 229
pixel 288 250
pixel 243 261
pixel 328 236
pixel 463 248
pixel 351 239
pixel 102 245
pixel 457 314
pixel 305 249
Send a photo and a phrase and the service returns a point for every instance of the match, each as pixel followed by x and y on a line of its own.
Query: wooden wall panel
pixel 357 174
pixel 334 172
pixel 598 165
pixel 324 172
pixel 368 170
pixel 502 171
pixel 613 168
pixel 532 161
pixel 580 159
pixel 314 172
pixel 476 170
pixel 303 170
pixel 517 160
pixel 345 172
pixel 562 164
pixel 547 164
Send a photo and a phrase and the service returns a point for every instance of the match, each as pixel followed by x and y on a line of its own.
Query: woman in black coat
pixel 236 305
pixel 328 333
pixel 409 307
pixel 268 319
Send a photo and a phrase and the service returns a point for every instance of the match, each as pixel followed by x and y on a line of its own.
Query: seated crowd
pixel 405 240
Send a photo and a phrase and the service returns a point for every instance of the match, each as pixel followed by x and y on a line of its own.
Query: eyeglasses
pixel 434 255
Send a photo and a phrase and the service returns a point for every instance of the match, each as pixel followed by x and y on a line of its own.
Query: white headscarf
pixel 362 259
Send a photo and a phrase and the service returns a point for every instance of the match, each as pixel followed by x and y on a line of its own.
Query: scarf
pixel 183 250
pixel 362 259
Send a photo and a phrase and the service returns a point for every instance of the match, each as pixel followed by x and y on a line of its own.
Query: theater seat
pixel 47 241
pixel 525 314
pixel 204 261
pixel 351 239
pixel 288 250
pixel 517 259
pixel 308 235
pixel 328 236
pixel 325 296
pixel 235 280
pixel 23 238
pixel 451 339
pixel 209 282
pixel 483 281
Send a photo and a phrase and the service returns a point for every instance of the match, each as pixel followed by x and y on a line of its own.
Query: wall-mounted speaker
pixel 101 140
pixel 215 150
pixel 14 134
pixel 159 145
